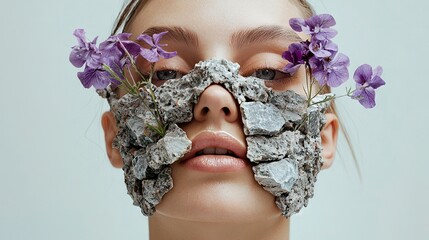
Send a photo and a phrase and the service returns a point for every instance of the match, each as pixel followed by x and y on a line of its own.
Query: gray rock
pixel 140 166
pixel 168 149
pixel 154 190
pixel 173 145
pixel 316 115
pixel 175 100
pixel 139 129
pixel 292 105
pixel 261 119
pixel 276 177
pixel 287 144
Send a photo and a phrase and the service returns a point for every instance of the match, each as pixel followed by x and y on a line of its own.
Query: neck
pixel 162 227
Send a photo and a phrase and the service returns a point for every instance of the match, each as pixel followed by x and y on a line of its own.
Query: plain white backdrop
pixel 56 181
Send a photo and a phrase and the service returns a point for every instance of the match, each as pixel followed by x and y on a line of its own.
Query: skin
pixel 227 205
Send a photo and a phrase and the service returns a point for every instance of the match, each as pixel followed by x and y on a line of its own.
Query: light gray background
pixel 56 182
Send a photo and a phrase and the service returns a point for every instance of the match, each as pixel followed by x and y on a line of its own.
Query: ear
pixel 108 123
pixel 329 136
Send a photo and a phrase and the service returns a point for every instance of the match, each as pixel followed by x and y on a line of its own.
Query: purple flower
pixel 323 48
pixel 367 81
pixel 332 72
pixel 317 26
pixel 116 45
pixel 84 52
pixel 97 77
pixel 156 51
pixel 296 55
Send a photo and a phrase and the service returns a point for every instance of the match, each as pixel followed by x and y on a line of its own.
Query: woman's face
pixel 252 33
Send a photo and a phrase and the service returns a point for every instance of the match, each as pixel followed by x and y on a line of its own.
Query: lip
pixel 215 163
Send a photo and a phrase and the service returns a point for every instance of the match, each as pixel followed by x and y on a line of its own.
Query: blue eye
pixel 265 74
pixel 270 74
pixel 165 75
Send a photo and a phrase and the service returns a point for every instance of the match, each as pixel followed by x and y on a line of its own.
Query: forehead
pixel 214 18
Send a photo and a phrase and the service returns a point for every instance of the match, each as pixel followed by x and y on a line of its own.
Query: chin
pixel 233 197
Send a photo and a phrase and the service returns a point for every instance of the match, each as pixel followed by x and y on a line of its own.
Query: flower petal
pixel 326 20
pixel 338 72
pixel 93 77
pixel 363 74
pixel 166 54
pixel 367 98
pixel 297 24
pixel 146 38
pixel 80 35
pixel 337 77
pixel 378 71
pixel 150 54
pixel 122 36
pixel 158 36
pixel 376 82
pixel 132 47
pixel 78 56
pixel 320 76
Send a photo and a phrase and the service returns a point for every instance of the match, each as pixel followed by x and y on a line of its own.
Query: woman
pixel 215 196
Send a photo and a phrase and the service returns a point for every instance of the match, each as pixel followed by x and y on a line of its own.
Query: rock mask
pixel 282 135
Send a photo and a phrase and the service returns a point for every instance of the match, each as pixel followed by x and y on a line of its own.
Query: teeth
pixel 209 150
pixel 221 151
pixel 215 151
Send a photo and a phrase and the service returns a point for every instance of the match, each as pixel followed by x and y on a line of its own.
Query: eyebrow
pixel 263 34
pixel 238 39
pixel 177 33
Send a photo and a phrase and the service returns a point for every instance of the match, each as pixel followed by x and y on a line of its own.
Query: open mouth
pixel 215 151
pixel 216 143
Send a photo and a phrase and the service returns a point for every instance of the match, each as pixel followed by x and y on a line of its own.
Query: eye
pixel 266 74
pixel 270 74
pixel 165 75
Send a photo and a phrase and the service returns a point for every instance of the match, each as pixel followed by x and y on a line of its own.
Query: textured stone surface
pixel 286 161
pixel 293 107
pixel 261 119
pixel 154 190
pixel 315 119
pixel 261 148
pixel 276 177
pixel 169 149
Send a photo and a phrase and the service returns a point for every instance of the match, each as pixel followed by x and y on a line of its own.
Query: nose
pixel 215 104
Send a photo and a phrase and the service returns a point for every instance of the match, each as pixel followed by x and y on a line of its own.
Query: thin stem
pixel 309 83
pixel 327 98
pixel 301 123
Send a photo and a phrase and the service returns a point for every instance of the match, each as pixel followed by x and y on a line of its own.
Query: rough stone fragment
pixel 174 102
pixel 290 203
pixel 292 105
pixel 261 119
pixel 287 144
pixel 169 149
pixel 276 177
pixel 141 167
pixel 316 115
pixel 254 89
pixel 314 121
pixel 154 190
pixel 247 89
pixel 139 128
pixel 174 144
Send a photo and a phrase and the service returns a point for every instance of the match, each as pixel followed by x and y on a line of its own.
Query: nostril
pixel 226 111
pixel 205 110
